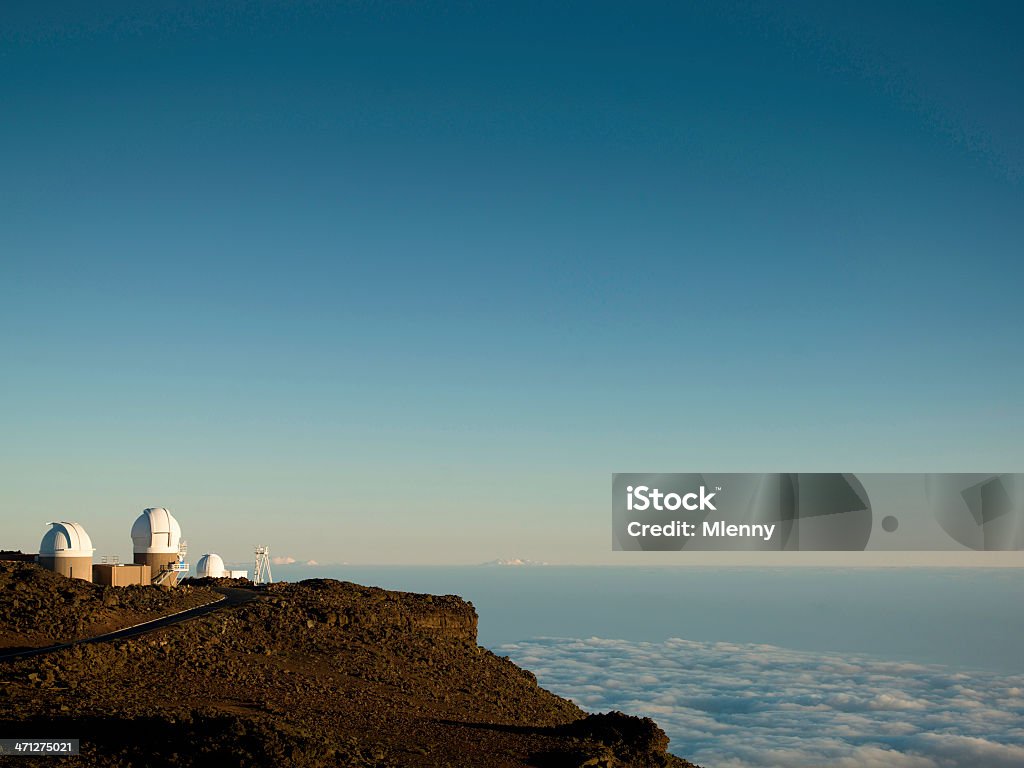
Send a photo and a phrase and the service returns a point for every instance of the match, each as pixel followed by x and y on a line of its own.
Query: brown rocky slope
pixel 39 607
pixel 316 673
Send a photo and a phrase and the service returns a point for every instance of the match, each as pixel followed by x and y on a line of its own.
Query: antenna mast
pixel 261 570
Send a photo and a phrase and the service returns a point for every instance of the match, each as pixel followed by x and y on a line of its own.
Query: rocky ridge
pixel 39 607
pixel 316 673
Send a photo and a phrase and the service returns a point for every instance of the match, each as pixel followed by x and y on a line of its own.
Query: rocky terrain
pixel 317 673
pixel 39 607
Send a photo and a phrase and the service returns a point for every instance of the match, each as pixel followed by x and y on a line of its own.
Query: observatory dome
pixel 211 565
pixel 66 539
pixel 156 531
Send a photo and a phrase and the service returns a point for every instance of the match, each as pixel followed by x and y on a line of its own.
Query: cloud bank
pixel 289 560
pixel 726 705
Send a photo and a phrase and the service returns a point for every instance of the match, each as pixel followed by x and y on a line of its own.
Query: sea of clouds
pixel 726 705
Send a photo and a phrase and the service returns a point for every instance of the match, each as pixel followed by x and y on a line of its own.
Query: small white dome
pixel 156 532
pixel 211 565
pixel 66 539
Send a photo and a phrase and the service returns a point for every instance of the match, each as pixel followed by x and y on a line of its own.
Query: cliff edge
pixel 315 673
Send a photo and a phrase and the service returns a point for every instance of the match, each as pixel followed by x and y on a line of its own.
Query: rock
pixel 380 678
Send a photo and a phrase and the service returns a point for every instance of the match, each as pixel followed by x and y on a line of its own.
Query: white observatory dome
pixel 155 532
pixel 66 539
pixel 211 565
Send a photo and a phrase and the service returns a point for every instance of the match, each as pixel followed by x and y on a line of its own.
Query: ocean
pixel 745 667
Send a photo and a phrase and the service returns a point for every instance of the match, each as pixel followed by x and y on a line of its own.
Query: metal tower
pixel 261 570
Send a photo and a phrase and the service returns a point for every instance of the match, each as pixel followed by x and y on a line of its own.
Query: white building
pixel 211 565
pixel 67 549
pixel 156 542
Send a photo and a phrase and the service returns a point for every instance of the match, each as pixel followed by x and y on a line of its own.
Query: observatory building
pixel 67 549
pixel 156 539
pixel 212 566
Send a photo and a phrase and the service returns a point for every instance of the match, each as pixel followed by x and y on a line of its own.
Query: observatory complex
pixel 158 554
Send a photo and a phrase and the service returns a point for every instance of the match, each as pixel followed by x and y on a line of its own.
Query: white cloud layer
pixel 726 705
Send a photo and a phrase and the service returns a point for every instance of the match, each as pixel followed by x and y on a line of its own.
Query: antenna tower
pixel 261 570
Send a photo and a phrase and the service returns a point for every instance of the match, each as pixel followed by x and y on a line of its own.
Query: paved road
pixel 229 596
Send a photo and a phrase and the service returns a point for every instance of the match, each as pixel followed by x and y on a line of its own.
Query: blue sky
pixel 406 284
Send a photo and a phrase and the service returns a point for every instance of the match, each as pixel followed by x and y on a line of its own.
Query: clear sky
pixel 379 282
